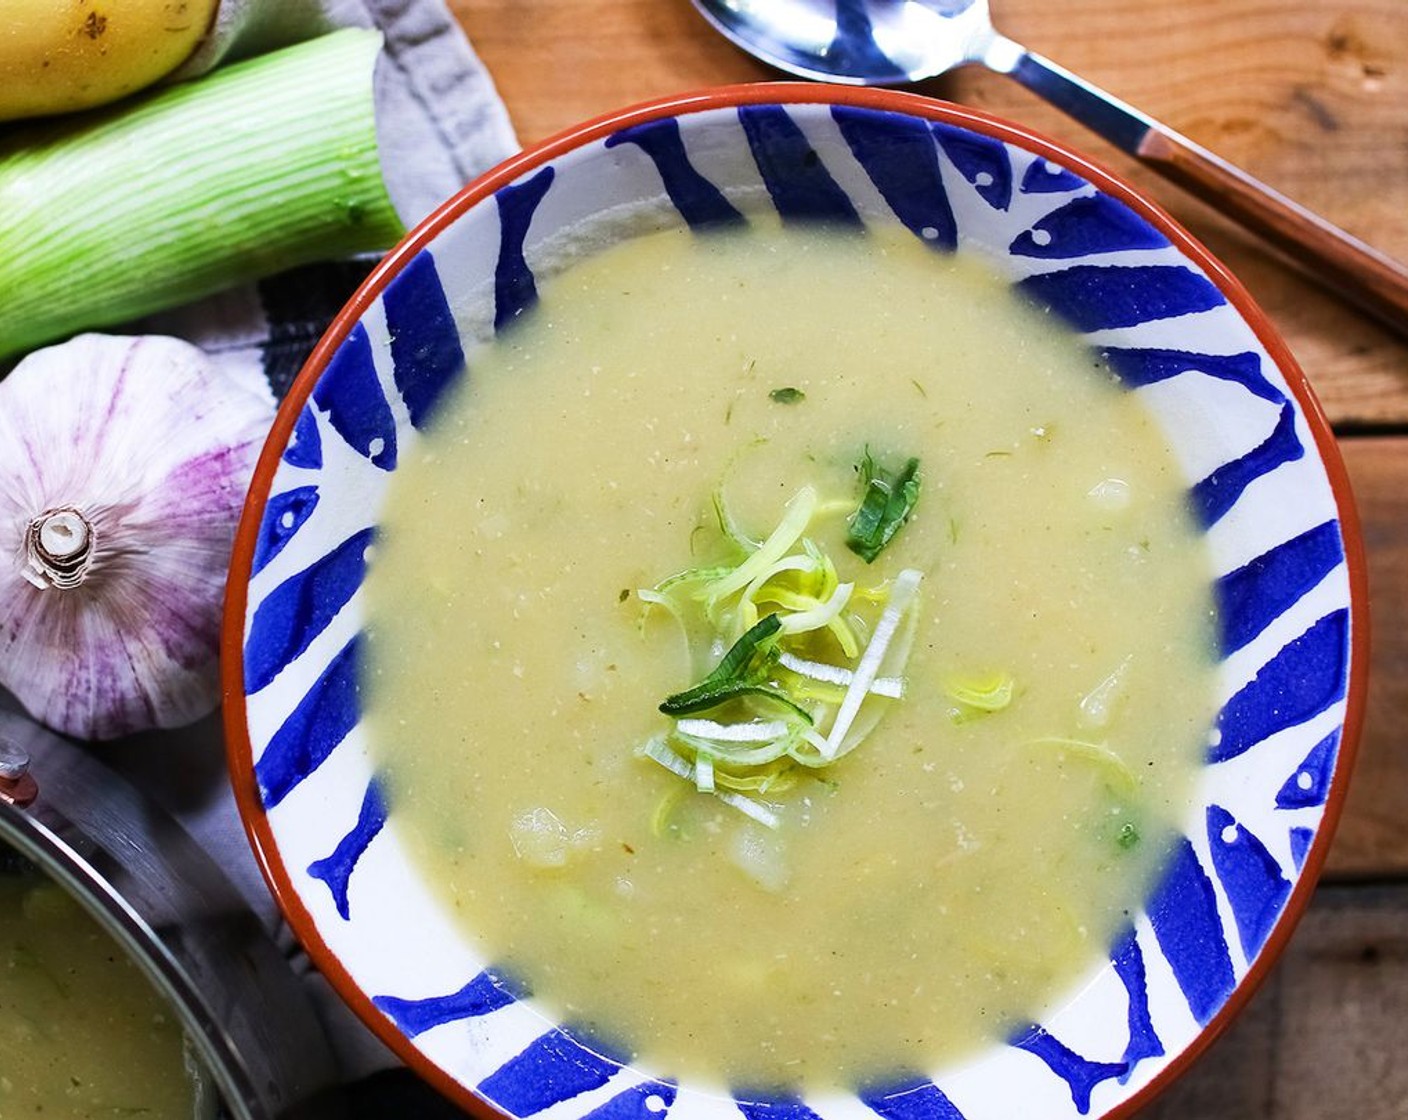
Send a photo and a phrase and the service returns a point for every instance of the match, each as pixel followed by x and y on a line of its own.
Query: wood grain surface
pixel 1321 1040
pixel 1372 841
pixel 1311 96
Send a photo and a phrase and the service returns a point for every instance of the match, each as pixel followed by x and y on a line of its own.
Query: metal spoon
pixel 893 42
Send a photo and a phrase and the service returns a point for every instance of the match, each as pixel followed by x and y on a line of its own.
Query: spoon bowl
pixel 854 43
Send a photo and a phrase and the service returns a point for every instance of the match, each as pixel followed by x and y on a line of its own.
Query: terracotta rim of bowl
pixel 238 749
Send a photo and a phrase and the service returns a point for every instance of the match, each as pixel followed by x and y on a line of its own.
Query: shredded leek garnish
pixel 795 688
pixel 795 519
pixel 1105 761
pixel 727 526
pixel 827 674
pixel 806 665
pixel 657 751
pixel 980 697
pixel 906 587
pixel 742 672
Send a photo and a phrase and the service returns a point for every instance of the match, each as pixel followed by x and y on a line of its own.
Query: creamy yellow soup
pixel 83 1033
pixel 956 873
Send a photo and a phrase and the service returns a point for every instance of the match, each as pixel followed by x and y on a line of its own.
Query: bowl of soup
pixel 804 601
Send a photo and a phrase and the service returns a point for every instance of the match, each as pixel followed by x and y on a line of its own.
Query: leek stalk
pixel 256 168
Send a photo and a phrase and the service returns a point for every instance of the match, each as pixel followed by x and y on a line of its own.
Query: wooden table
pixel 1312 97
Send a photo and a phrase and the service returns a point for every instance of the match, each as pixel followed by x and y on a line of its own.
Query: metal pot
pixel 166 903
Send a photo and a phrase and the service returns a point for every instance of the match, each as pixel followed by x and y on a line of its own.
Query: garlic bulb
pixel 123 468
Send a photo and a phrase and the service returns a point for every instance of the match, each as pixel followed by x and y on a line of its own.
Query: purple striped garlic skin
pixel 123 468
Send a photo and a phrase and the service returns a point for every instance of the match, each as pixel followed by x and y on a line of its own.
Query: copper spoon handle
pixel 1343 264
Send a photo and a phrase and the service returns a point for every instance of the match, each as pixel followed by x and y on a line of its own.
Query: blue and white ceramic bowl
pixel 1263 476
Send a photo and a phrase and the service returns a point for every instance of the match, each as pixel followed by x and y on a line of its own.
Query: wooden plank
pixel 1323 1037
pixel 1373 834
pixel 1307 96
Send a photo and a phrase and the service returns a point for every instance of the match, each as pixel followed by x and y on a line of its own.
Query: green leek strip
pixel 1101 757
pixel 795 518
pixel 887 501
pixel 695 700
pixel 733 676
pixel 983 697
pixel 256 168
pixel 727 525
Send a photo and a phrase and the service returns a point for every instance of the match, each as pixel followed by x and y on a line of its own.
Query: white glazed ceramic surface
pixel 1156 308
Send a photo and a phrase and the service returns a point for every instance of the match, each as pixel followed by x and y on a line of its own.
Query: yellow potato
pixel 62 55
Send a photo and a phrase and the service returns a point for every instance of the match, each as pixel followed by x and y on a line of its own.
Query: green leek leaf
pixel 737 674
pixel 888 498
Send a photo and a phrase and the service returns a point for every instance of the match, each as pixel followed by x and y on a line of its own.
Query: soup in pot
pixel 84 1034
